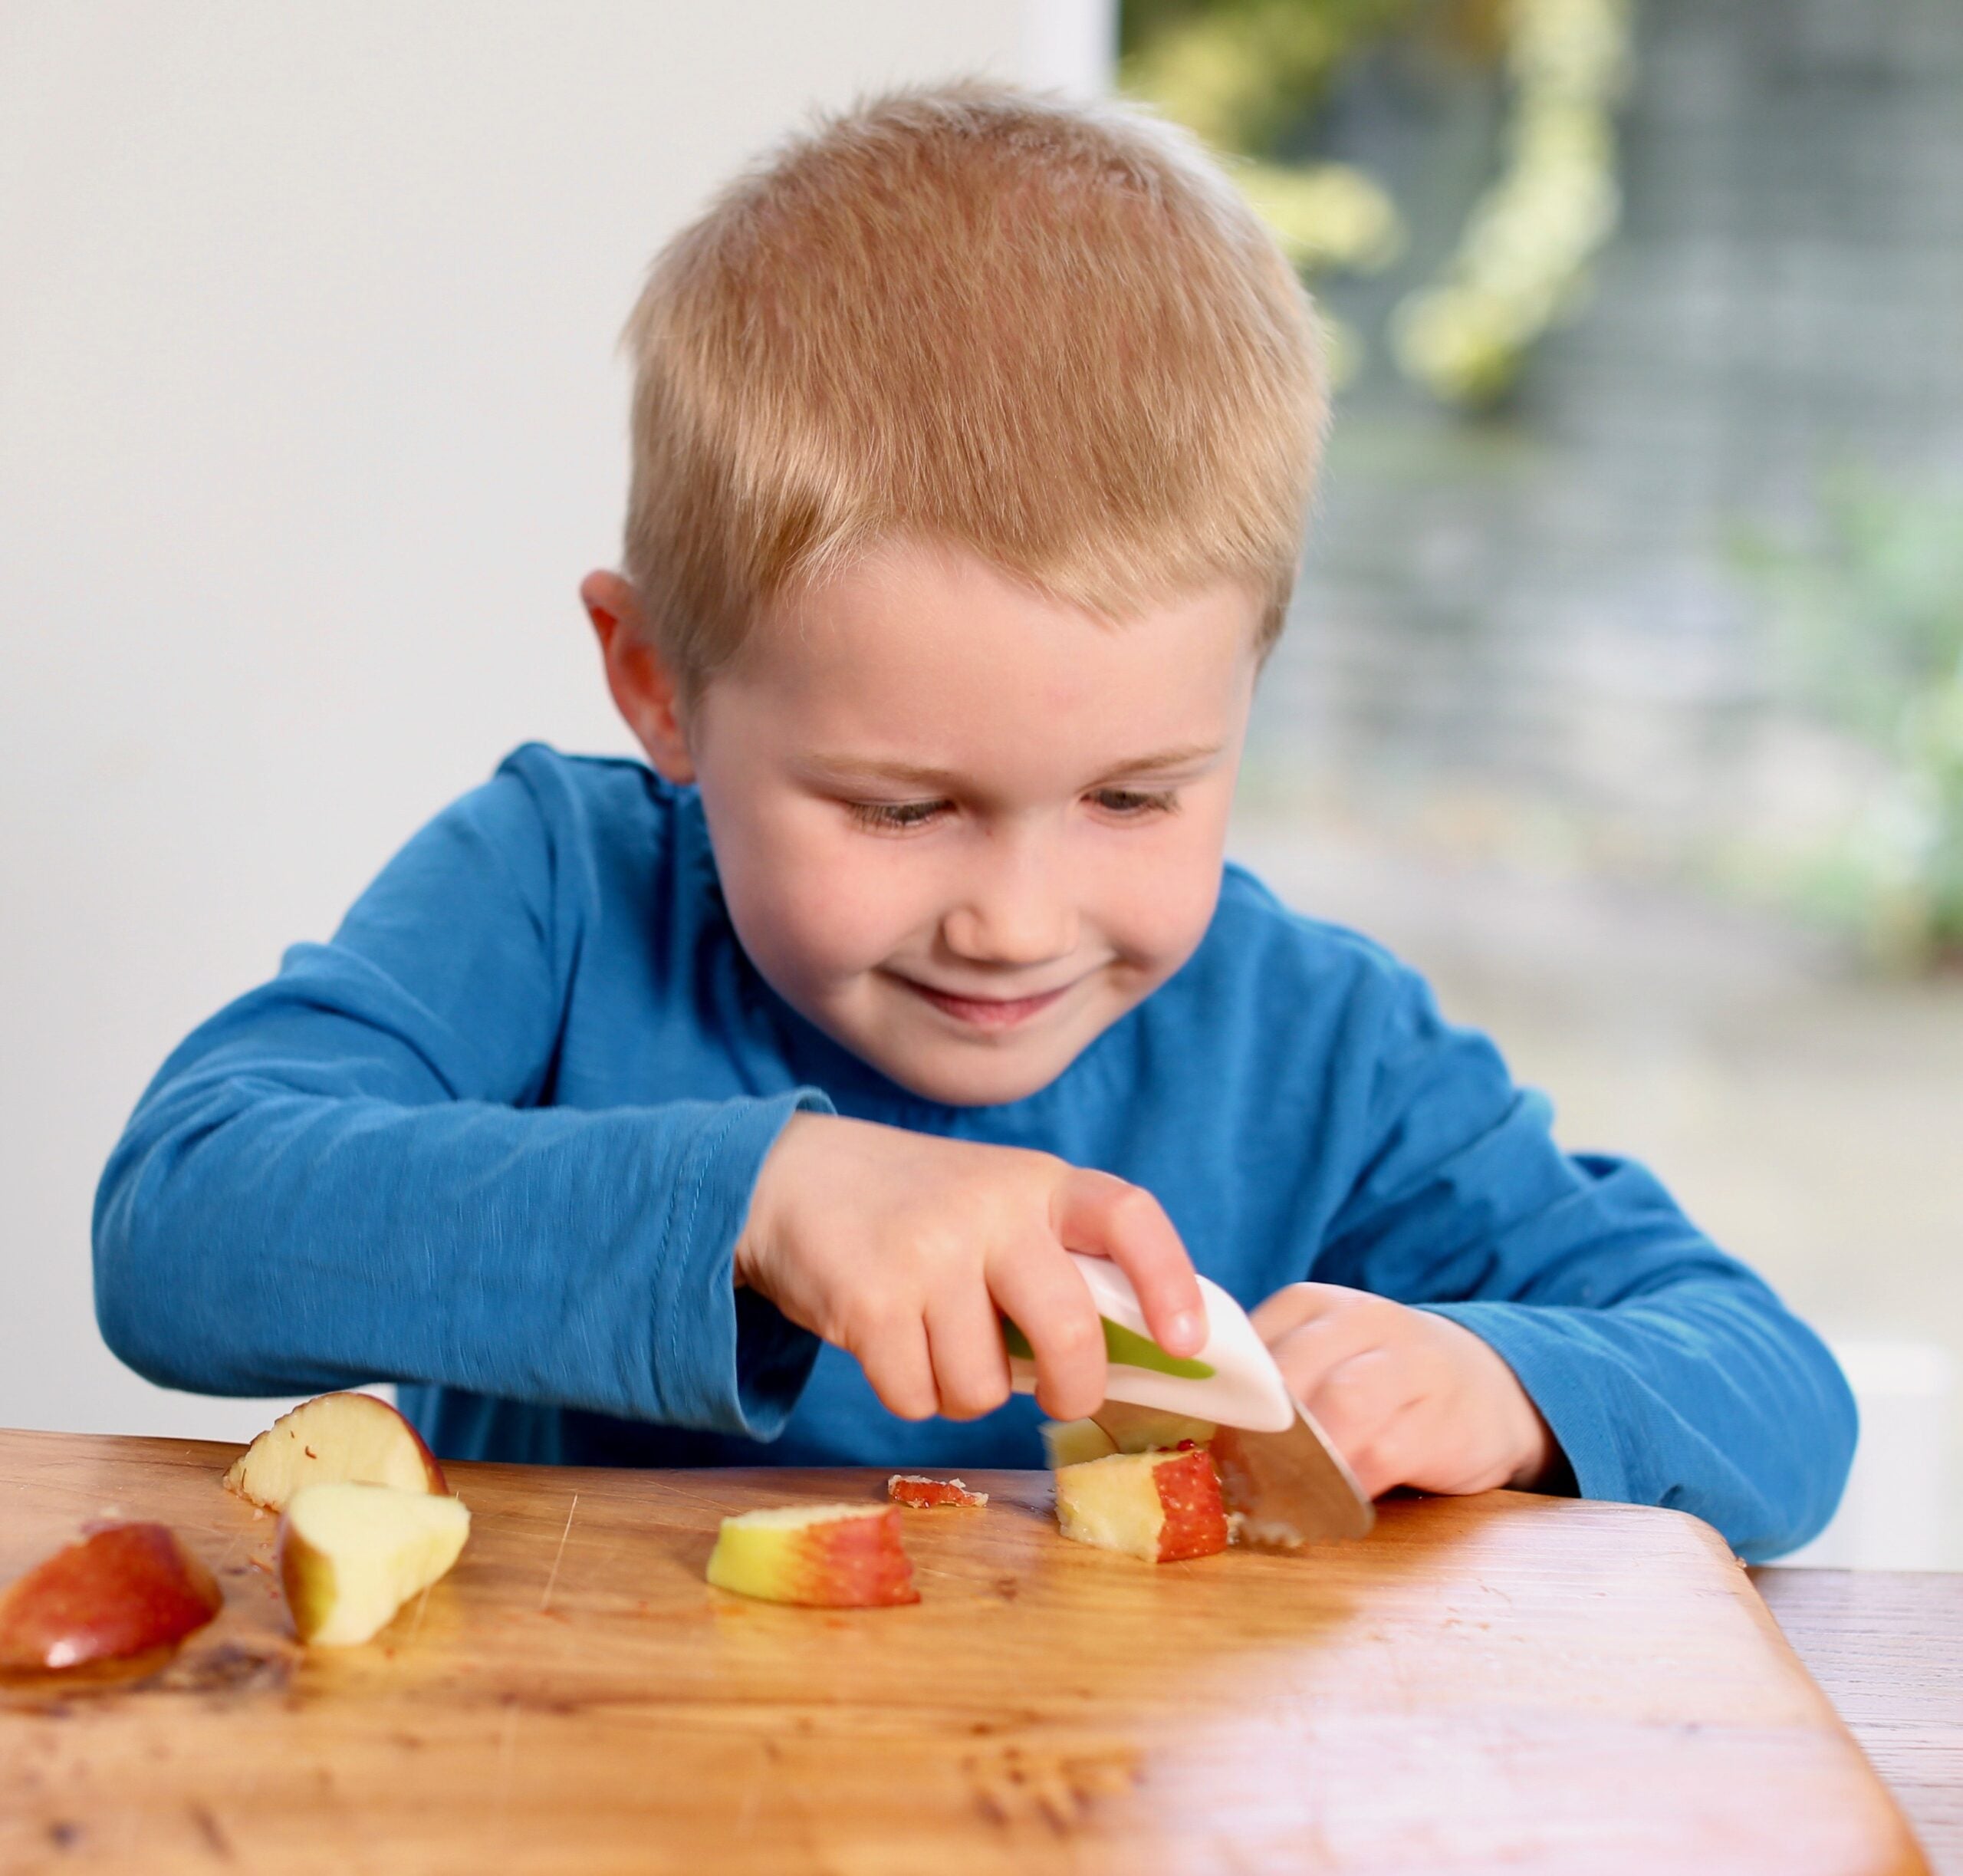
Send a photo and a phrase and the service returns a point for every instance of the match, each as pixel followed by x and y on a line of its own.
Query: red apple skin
pixel 1190 1496
pixel 923 1494
pixel 124 1590
pixel 857 1563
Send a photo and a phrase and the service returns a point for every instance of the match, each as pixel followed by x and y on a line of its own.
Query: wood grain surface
pixel 1887 1648
pixel 1505 1681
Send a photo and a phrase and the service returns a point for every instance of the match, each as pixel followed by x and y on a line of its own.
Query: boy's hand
pixel 905 1249
pixel 1408 1397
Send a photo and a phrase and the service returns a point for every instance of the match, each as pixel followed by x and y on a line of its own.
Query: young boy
pixel 716 1115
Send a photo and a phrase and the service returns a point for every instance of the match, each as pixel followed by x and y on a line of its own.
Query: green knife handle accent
pixel 1122 1345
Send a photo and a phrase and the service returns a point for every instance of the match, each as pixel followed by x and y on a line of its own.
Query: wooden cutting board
pixel 1505 1681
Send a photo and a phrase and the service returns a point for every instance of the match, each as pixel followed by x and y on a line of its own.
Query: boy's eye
pixel 892 816
pixel 904 817
pixel 1135 804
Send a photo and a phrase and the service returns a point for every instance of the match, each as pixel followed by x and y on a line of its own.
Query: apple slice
pixel 330 1439
pixel 1162 1507
pixel 123 1590
pixel 350 1555
pixel 823 1556
pixel 915 1489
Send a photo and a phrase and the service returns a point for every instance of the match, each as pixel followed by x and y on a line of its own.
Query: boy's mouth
pixel 984 1012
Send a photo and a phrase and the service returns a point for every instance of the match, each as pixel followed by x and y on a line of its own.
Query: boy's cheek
pixel 1163 909
pixel 814 915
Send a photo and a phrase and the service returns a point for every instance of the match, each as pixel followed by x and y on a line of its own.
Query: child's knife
pixel 1283 1480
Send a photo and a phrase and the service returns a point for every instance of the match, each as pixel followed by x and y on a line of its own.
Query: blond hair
pixel 1049 332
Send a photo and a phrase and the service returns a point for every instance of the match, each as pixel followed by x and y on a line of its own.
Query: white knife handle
pixel 1245 1388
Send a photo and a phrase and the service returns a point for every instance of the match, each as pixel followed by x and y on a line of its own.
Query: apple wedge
pixel 123 1590
pixel 1162 1507
pixel 351 1555
pixel 823 1556
pixel 334 1438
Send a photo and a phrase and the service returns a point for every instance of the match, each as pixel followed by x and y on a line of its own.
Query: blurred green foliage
pixel 1241 73
pixel 1245 74
pixel 1866 604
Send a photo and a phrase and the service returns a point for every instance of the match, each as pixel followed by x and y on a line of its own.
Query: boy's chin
pixel 961 1075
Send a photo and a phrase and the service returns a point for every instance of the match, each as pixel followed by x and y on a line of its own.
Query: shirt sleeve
pixel 344 1177
pixel 1668 1372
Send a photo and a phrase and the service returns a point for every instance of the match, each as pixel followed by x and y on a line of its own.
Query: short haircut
pixel 1050 333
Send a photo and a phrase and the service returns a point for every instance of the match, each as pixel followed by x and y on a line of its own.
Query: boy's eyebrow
pixel 847 768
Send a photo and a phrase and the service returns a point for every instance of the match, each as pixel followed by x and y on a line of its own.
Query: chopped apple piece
pixel 124 1590
pixel 823 1556
pixel 351 1555
pixel 330 1439
pixel 1075 1443
pixel 911 1488
pixel 1161 1506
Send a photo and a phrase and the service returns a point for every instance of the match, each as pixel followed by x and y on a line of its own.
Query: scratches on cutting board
pixel 558 1554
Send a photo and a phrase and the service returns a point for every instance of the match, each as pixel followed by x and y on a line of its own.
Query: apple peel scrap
pixel 1162 1507
pixel 350 1555
pixel 923 1493
pixel 820 1556
pixel 330 1439
pixel 123 1590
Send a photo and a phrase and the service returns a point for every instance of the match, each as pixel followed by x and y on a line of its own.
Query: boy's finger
pixel 1321 1345
pixel 1355 1399
pixel 1110 1217
pixel 1375 1472
pixel 1381 1458
pixel 897 1364
pixel 1289 1309
pixel 971 1365
pixel 1042 1295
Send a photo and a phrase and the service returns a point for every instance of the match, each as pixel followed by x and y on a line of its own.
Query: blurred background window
pixel 1624 692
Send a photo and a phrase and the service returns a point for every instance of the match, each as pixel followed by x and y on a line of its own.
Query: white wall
pixel 309 423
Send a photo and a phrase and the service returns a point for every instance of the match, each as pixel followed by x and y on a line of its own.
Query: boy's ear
pixel 645 689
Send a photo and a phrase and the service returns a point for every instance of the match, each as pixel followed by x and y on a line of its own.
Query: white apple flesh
pixel 351 1555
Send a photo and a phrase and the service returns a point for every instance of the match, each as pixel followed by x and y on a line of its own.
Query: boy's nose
pixel 1013 905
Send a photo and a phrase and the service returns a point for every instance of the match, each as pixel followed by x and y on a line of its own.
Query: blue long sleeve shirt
pixel 495 1142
